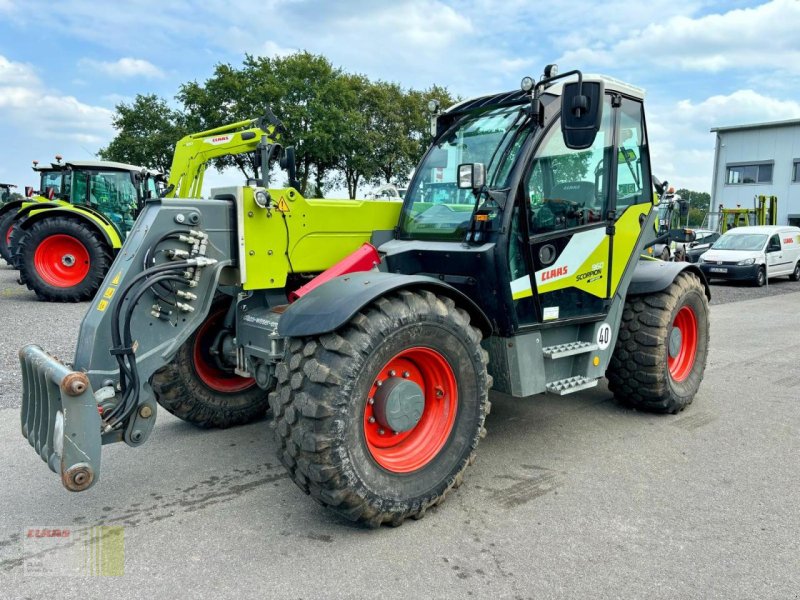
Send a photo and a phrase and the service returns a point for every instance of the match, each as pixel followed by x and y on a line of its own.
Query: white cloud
pixel 124 68
pixel 740 40
pixel 40 112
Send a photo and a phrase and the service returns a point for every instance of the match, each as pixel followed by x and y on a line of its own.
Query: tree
pixel 147 130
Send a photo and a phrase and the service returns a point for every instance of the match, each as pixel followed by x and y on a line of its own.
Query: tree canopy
pixel 346 129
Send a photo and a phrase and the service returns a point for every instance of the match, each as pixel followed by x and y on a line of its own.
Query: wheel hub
pixel 399 404
pixel 675 342
pixel 68 260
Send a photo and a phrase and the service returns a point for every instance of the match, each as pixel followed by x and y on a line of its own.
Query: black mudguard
pixel 331 305
pixel 652 276
pixel 13 205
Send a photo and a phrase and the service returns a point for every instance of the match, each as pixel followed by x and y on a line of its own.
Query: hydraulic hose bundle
pixel 154 279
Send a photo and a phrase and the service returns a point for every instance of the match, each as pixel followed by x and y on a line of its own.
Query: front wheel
pixel 661 351
pixel 379 420
pixel 63 259
pixel 761 277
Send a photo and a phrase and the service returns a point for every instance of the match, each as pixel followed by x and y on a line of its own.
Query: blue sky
pixel 704 63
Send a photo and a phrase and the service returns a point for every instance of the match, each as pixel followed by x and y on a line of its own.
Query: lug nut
pixel 372 419
pixel 379 383
pixel 392 373
pixel 145 412
pixel 370 400
pixel 406 374
pixel 439 392
pixel 381 432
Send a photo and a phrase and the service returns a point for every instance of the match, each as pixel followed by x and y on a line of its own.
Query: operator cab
pixel 547 231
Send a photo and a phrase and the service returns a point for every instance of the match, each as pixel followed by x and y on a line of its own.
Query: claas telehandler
pixel 511 265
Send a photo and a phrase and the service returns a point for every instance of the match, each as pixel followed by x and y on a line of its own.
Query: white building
pixel 758 159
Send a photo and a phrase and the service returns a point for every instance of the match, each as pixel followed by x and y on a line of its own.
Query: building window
pixel 750 173
pixel 796 170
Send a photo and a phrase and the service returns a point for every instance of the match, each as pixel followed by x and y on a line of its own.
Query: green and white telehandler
pixel 512 264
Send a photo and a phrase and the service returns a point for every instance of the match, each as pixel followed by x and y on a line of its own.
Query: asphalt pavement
pixel 572 497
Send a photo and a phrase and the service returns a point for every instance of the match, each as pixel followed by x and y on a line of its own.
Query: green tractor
pixel 512 264
pixel 63 239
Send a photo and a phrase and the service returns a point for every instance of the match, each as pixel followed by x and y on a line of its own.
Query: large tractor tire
pixel 197 388
pixel 662 347
pixel 6 221
pixel 379 420
pixel 63 260
pixel 15 235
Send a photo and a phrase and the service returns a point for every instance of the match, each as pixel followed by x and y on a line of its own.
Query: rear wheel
pixel 665 254
pixel 197 386
pixel 6 221
pixel 661 350
pixel 795 276
pixel 379 420
pixel 63 260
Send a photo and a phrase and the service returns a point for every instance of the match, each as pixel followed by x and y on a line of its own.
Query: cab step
pixel 568 349
pixel 562 387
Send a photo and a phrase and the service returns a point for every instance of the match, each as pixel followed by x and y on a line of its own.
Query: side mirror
pixel 28 191
pixel 289 163
pixel 471 176
pixel 581 112
pixel 684 207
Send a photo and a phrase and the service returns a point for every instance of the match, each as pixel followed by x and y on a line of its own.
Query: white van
pixel 754 253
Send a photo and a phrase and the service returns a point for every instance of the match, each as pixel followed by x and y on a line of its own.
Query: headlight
pixel 747 261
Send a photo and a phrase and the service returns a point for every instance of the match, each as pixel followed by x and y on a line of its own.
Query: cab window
pixel 569 188
pixel 633 187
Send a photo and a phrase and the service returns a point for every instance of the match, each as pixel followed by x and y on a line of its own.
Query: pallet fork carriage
pixel 513 265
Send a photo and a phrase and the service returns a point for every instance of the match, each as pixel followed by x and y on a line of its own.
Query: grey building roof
pixel 787 123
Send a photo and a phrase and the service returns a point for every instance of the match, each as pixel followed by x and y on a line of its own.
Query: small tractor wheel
pixel 63 260
pixel 379 420
pixel 6 221
pixel 200 389
pixel 665 254
pixel 795 276
pixel 761 277
pixel 661 350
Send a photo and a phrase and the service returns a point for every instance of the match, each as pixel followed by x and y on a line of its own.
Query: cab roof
pixel 555 89
pixel 766 229
pixel 104 165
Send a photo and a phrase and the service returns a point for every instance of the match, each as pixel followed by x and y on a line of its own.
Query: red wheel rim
pixel 413 449
pixel 8 234
pixel 682 348
pixel 206 367
pixel 61 260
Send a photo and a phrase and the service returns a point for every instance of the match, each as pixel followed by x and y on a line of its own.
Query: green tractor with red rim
pixel 512 265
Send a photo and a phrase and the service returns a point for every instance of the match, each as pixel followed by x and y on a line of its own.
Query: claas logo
pixel 788 240
pixel 553 273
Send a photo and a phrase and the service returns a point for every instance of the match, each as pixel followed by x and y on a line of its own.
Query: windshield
pixel 51 179
pixel 441 210
pixel 111 192
pixel 741 241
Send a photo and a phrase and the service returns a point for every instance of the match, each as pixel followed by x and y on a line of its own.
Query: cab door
pixel 582 215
